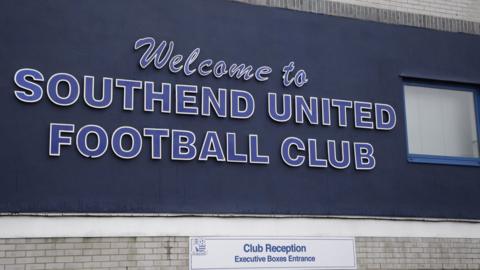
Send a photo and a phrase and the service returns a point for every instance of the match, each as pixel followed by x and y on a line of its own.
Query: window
pixel 442 123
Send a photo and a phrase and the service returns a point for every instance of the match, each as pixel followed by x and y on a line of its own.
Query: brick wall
pixel 172 253
pixel 457 9
pixel 445 15
pixel 417 253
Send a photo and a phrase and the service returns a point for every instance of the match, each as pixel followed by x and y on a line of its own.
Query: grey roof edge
pixel 347 10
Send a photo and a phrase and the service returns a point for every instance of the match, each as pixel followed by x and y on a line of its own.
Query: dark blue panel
pixel 344 59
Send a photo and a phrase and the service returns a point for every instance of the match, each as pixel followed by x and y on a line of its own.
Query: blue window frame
pixel 442 122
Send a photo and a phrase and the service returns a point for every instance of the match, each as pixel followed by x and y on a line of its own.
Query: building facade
pixel 134 130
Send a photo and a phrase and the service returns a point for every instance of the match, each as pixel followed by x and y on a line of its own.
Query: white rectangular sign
pixel 272 252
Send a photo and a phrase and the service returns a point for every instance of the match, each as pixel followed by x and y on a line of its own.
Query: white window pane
pixel 441 122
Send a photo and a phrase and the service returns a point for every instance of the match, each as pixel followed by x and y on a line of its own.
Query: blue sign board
pixel 219 107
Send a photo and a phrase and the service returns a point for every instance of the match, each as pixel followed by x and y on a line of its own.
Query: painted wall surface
pixel 344 59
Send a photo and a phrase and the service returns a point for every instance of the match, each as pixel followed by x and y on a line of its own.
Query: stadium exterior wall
pixel 152 241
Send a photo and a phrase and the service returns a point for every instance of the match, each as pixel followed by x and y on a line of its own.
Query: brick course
pixel 468 10
pixel 171 253
pixel 444 15
pixel 417 253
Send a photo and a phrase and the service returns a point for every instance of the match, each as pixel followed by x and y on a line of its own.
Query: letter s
pixel 33 92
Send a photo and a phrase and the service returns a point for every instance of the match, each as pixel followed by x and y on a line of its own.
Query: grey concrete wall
pixel 171 253
pixel 399 12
